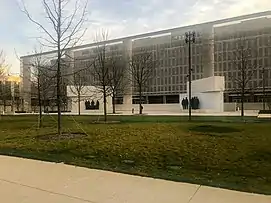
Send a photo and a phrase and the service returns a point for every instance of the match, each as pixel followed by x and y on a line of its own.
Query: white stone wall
pixel 88 93
pixel 210 92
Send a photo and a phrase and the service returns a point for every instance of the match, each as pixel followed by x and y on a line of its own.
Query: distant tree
pixel 5 93
pixel 100 70
pixel 41 81
pixel 117 71
pixel 5 86
pixel 245 64
pixel 78 87
pixel 141 70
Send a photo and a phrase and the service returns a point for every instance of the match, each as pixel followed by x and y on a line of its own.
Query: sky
pixel 119 17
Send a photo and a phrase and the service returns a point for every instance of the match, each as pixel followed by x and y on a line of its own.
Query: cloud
pixel 120 18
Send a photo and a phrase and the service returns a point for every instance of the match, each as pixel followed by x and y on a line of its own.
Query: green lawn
pixel 217 151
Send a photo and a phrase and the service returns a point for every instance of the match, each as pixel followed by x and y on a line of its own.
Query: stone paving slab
pixel 23 180
pixel 13 193
pixel 92 185
pixel 215 195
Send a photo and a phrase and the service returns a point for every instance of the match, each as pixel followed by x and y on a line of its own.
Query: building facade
pixel 213 54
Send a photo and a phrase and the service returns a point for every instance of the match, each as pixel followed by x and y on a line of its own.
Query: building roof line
pixel 160 32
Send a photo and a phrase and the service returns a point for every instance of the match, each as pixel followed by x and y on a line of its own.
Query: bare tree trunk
pixel 58 70
pixel 39 100
pixel 5 105
pixel 114 103
pixel 140 100
pixel 12 104
pixel 242 102
pixel 40 108
pixel 79 104
pixel 104 98
pixel 243 90
pixel 58 100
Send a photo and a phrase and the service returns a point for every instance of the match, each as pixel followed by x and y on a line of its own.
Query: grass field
pixel 217 151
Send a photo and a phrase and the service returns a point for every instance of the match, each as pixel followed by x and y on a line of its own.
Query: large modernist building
pixel 213 53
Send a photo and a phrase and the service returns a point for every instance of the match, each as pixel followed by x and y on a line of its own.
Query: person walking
pixel 183 103
pixel 197 103
pixel 186 103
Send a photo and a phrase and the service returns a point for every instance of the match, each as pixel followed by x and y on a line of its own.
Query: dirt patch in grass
pixel 63 136
pixel 214 129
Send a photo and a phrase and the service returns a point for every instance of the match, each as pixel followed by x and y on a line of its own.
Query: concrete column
pixel 26 83
pixel 164 99
pixel 69 78
pixel 207 35
pixel 127 55
pixel 69 59
pixel 147 100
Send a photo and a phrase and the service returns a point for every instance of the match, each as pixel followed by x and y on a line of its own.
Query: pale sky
pixel 119 17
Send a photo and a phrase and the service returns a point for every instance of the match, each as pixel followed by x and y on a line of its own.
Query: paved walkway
pixel 28 181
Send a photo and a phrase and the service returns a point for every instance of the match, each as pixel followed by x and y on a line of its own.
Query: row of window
pixel 233 43
pixel 233 55
pixel 178 70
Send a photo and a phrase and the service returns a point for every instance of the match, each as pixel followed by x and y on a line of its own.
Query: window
pixel 254 84
pixel 162 81
pixel 261 52
pixel 215 66
pixel 198 70
pixel 265 51
pixel 266 64
pixel 224 66
pixel 261 41
pixel 260 62
pixel 174 62
pixel 255 75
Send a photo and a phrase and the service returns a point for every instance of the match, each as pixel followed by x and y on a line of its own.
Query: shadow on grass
pixel 213 129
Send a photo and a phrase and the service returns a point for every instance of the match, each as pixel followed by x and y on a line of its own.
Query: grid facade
pixel 212 54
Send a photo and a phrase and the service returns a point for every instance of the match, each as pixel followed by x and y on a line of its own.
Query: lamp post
pixel 190 38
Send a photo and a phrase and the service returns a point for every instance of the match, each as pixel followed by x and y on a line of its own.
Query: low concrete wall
pixel 176 108
pixel 149 108
pixel 229 107
pixel 264 116
pixel 247 106
pixel 158 108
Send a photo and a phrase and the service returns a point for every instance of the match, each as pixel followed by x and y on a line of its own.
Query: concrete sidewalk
pixel 28 181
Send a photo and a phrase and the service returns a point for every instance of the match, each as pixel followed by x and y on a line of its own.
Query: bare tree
pixel 78 87
pixel 116 77
pixel 141 69
pixel 5 88
pixel 245 64
pixel 99 69
pixel 5 93
pixel 40 80
pixel 3 66
pixel 63 30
